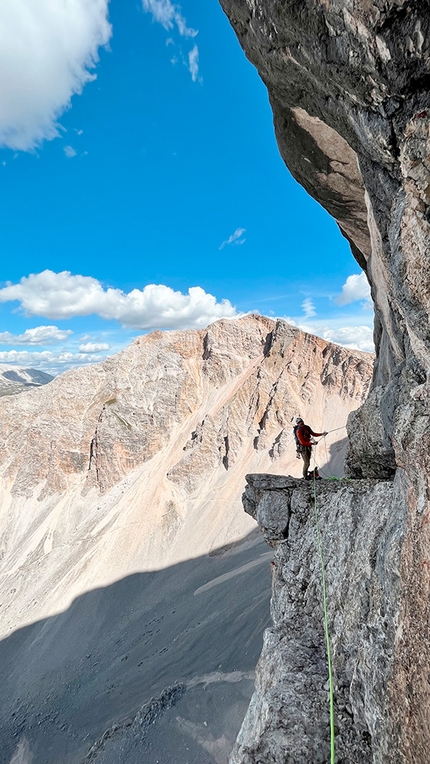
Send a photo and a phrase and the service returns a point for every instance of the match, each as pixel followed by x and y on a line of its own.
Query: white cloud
pixel 40 335
pixel 356 287
pixel 308 308
pixel 63 295
pixel 47 50
pixel 355 337
pixel 93 347
pixel 54 363
pixel 69 152
pixel 193 63
pixel 169 16
pixel 235 238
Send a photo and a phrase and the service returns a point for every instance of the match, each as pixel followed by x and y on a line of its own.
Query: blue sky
pixel 142 188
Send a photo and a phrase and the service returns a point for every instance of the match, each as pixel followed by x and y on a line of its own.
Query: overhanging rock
pixel 348 83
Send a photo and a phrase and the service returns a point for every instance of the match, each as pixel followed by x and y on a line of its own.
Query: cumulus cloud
pixel 40 335
pixel 63 295
pixel 356 287
pixel 357 336
pixel 235 238
pixel 93 347
pixel 169 16
pixel 46 360
pixel 354 337
pixel 308 308
pixel 48 50
pixel 69 152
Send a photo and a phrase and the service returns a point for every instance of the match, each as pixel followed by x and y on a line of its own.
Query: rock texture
pixel 348 81
pixel 212 393
pixel 362 526
pixel 124 550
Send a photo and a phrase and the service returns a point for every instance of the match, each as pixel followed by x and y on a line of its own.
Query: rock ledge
pixel 361 525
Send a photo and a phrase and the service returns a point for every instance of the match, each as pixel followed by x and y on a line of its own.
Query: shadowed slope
pixel 188 637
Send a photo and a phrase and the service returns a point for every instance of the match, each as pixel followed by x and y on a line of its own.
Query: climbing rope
pixel 328 460
pixel 330 475
pixel 326 630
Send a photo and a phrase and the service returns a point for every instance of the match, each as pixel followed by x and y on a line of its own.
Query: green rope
pixel 327 637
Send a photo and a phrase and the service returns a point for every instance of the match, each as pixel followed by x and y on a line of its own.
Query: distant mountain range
pixel 15 379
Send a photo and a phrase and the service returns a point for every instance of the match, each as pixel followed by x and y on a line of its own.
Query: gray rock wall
pixel 361 524
pixel 348 82
pixel 349 86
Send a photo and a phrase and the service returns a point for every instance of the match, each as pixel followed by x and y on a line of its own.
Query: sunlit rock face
pixel 222 396
pixel 349 86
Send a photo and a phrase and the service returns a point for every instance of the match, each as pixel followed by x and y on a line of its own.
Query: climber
pixel 302 434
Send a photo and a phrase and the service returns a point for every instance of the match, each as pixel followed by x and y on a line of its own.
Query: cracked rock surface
pixel 361 524
pixel 349 85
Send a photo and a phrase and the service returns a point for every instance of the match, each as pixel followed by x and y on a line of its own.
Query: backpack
pixel 306 431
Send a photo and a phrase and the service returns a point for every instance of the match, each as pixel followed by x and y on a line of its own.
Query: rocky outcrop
pixel 361 523
pixel 349 87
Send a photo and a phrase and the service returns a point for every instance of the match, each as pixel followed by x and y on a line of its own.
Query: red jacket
pixel 304 433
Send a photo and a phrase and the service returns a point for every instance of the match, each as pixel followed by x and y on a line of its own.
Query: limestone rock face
pixel 349 86
pixel 251 377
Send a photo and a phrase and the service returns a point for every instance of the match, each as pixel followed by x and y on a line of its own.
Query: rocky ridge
pixel 348 82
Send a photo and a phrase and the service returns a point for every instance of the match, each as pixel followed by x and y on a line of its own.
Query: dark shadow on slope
pixel 336 453
pixel 66 680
